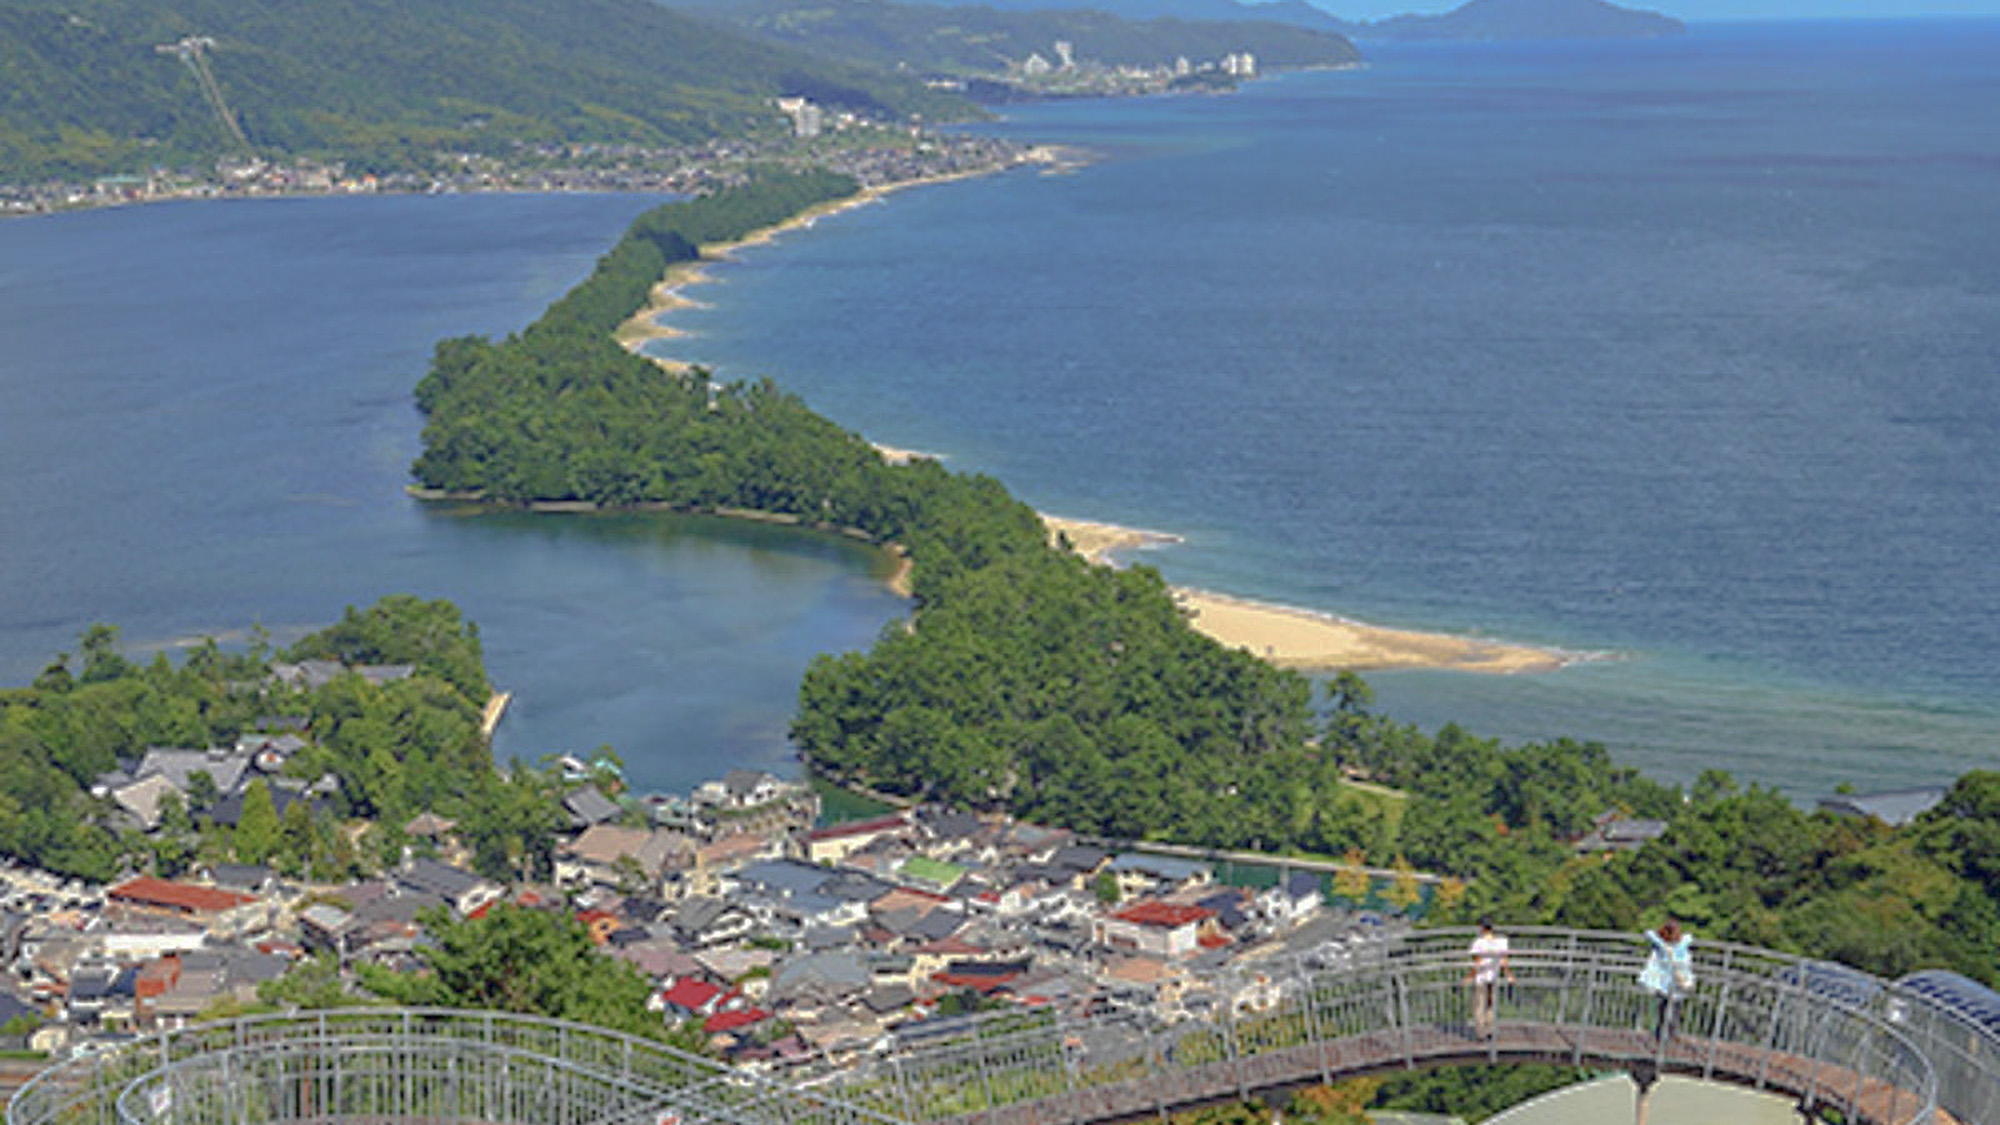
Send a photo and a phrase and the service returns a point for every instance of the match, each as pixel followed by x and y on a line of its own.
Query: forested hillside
pixel 83 90
pixel 981 40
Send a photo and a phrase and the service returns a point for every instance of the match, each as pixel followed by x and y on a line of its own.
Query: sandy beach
pixel 1283 635
pixel 667 296
pixel 1302 639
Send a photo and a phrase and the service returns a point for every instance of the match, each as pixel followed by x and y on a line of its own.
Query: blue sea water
pixel 205 424
pixel 1679 351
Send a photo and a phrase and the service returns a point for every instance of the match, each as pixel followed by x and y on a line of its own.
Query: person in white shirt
pixel 1489 960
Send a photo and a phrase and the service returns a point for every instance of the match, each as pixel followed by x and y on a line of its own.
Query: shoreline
pixel 666 296
pixel 1285 636
pixel 1303 639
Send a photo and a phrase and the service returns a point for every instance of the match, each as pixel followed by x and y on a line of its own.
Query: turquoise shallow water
pixel 1678 351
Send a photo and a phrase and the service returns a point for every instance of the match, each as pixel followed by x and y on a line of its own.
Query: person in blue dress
pixel 1669 972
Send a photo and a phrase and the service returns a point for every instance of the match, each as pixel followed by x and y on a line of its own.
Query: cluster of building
pixel 782 940
pixel 211 781
pixel 788 941
pixel 689 169
pixel 1070 75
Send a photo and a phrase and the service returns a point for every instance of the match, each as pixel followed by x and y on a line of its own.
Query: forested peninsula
pixel 1029 680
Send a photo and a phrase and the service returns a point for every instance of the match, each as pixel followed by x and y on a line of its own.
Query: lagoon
pixel 205 424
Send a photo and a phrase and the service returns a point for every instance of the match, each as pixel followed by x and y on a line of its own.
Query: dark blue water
pixel 205 423
pixel 1682 351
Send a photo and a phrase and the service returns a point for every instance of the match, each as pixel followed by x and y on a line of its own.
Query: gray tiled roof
pixel 432 877
pixel 224 767
pixel 588 806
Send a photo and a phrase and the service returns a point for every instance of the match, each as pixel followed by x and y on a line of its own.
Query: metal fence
pixel 1756 1018
pixel 405 1065
pixel 1840 1042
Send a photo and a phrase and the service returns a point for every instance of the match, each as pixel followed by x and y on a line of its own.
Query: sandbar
pixel 1286 636
pixel 666 295
pixel 895 455
pixel 1304 639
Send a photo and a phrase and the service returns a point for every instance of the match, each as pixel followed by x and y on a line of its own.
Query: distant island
pixel 1526 19
pixel 1477 20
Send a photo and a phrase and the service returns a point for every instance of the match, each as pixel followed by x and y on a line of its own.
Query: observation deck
pixel 1842 1043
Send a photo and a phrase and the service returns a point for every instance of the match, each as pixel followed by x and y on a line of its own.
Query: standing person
pixel 1669 972
pixel 1489 960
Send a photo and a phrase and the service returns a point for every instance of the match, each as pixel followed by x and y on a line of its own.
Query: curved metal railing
pixel 1756 1018
pixel 400 1065
pixel 1835 1039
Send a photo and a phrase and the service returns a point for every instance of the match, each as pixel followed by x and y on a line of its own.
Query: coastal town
pixel 772 930
pixel 781 937
pixel 873 153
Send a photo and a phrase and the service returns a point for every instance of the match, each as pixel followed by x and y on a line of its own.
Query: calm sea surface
pixel 205 423
pixel 1682 352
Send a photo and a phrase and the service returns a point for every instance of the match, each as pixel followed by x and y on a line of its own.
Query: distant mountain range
pixel 983 41
pixel 1527 19
pixel 83 89
pixel 94 86
pixel 1476 20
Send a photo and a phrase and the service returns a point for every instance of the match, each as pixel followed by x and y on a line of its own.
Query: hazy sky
pixel 1708 9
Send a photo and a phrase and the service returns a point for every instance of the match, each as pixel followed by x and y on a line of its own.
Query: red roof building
pixel 836 842
pixel 218 910
pixel 1169 914
pixel 731 1020
pixel 1163 929
pixel 696 997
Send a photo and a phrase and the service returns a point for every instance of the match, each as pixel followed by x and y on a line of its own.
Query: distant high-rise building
pixel 1066 51
pixel 806 117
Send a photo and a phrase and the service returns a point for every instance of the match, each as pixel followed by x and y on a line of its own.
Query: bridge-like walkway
pixel 1836 1040
pixel 1846 1046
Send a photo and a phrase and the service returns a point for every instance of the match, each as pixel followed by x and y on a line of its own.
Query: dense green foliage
pixel 394 749
pixel 980 40
pixel 82 90
pixel 1746 866
pixel 405 629
pixel 84 713
pixel 1065 692
pixel 561 412
pixel 536 962
pixel 402 746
